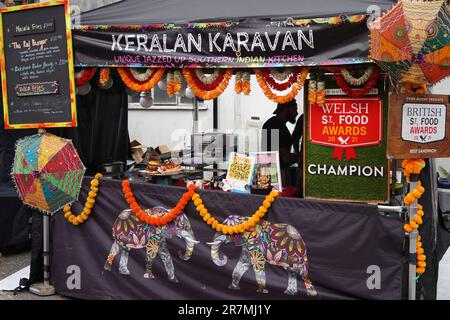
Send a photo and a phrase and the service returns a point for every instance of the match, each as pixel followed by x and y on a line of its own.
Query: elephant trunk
pixel 219 258
pixel 190 243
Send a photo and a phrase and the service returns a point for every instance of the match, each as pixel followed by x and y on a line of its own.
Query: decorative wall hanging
pixel 293 81
pixel 139 80
pixel 207 87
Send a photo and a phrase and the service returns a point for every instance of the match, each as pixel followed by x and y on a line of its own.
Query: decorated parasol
pixel 412 41
pixel 47 172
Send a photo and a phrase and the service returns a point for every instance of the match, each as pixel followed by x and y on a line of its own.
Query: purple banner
pixel 303 250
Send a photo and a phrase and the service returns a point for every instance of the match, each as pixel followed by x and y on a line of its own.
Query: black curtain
pixel 435 240
pixel 102 132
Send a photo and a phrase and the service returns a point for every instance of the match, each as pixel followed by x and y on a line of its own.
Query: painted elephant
pixel 274 243
pixel 130 233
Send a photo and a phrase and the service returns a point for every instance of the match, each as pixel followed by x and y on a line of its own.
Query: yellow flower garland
pixel 90 202
pixel 240 228
pixel 134 85
pixel 281 99
pixel 208 95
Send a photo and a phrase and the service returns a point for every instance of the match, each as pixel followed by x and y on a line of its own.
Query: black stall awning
pixel 231 33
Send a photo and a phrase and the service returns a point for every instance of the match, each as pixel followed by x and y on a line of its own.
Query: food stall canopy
pixel 221 34
pixel 143 12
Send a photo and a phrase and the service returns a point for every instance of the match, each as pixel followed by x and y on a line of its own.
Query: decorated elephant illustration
pixel 274 243
pixel 130 233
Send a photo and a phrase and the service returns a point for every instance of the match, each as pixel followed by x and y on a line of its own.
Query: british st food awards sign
pixel 419 126
pixel 345 148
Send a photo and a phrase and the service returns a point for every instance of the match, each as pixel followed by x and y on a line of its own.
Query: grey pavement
pixel 9 265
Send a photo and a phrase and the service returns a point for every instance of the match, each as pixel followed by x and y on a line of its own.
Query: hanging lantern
pixel 163 84
pixel 188 93
pixel 146 99
pixel 84 89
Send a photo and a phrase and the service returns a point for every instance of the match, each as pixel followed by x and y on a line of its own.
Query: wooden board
pixel 419 126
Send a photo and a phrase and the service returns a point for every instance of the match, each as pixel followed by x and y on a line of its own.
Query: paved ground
pixel 11 264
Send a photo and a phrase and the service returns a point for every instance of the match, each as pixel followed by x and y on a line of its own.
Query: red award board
pixel 346 124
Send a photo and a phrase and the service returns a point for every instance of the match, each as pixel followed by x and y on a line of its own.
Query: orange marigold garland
pixel 90 202
pixel 177 85
pixel 421 257
pixel 316 88
pixel 289 96
pixel 194 83
pixel 236 229
pixel 238 82
pixel 155 221
pixel 414 166
pixel 140 86
pixel 105 74
pixel 246 88
pixel 242 84
pixel 170 86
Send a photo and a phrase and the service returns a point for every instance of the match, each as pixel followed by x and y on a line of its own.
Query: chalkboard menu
pixel 38 85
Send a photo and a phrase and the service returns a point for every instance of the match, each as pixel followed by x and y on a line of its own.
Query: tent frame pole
pixel 412 247
pixel 45 288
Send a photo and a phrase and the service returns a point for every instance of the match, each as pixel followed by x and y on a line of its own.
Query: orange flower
pixel 418 219
pixel 408 228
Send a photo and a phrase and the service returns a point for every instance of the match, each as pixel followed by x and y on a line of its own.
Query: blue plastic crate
pixel 444 183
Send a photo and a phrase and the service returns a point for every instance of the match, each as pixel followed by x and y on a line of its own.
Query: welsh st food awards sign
pixel 419 126
pixel 345 124
pixel 345 148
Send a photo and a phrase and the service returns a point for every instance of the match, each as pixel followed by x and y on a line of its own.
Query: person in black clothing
pixel 297 137
pixel 276 136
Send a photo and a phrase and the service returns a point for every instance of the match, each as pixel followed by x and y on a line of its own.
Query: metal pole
pixel 215 114
pixel 46 250
pixel 391 209
pixel 45 289
pixel 412 247
pixel 195 115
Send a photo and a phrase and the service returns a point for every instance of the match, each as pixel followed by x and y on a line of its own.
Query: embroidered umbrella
pixel 47 172
pixel 412 41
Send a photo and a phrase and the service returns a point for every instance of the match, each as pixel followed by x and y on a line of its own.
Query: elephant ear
pixel 142 243
pixel 135 239
pixel 277 256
